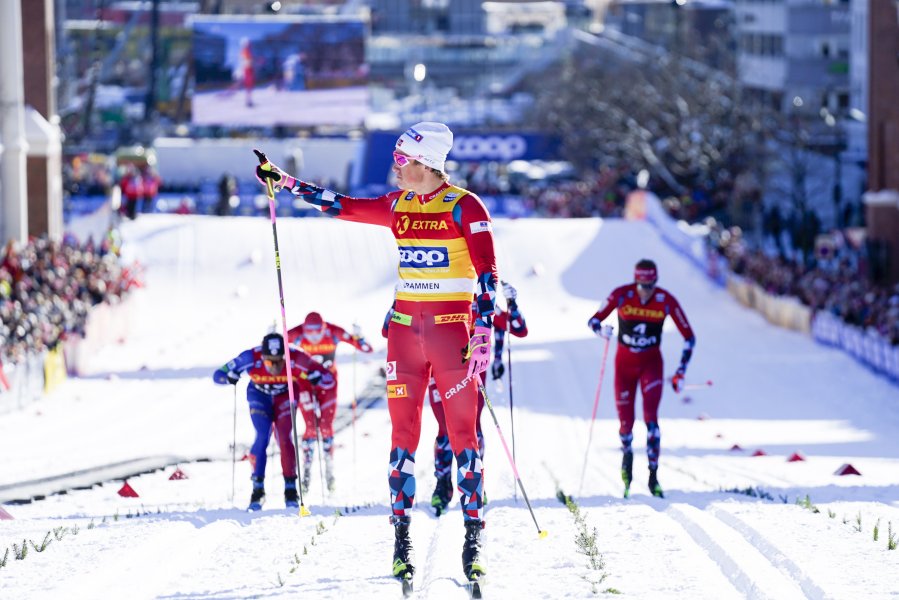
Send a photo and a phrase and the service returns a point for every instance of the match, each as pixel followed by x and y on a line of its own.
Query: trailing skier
pixel 269 402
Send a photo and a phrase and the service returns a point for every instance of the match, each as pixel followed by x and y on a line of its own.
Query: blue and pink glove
pixel 479 350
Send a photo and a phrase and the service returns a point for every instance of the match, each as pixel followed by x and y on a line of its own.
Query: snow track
pixel 746 568
pixel 211 292
pixel 773 554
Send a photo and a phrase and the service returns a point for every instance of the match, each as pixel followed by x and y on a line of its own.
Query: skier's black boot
pixel 443 493
pixel 471 550
pixel 291 500
pixel 627 472
pixel 402 550
pixel 257 498
pixel 654 486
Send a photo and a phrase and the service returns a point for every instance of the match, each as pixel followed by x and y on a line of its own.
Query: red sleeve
pixel 680 318
pixel 500 320
pixel 294 334
pixel 609 304
pixel 374 211
pixel 307 364
pixel 342 335
pixel 477 228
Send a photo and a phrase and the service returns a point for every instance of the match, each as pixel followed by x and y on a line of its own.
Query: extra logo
pixel 423 257
pixel 397 390
pixel 391 370
pixel 454 318
pixel 404 224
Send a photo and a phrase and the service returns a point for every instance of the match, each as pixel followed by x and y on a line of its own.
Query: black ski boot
pixel 257 498
pixel 291 500
pixel 654 486
pixel 443 493
pixel 402 552
pixel 627 472
pixel 471 550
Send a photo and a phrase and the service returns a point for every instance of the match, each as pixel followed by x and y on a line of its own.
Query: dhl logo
pixel 640 312
pixel 454 318
pixel 397 391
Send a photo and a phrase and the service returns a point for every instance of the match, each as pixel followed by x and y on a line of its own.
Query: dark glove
pixel 232 377
pixel 498 369
pixel 677 382
pixel 269 172
pixel 606 332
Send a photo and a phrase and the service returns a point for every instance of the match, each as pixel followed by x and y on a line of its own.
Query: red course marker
pixel 127 491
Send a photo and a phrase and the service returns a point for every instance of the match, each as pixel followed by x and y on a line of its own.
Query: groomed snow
pixel 211 292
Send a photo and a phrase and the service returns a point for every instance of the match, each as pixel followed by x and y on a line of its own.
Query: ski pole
pixel 234 445
pixel 316 416
pixel 511 405
pixel 602 372
pixel 355 353
pixel 270 192
pixel 696 386
pixel 540 532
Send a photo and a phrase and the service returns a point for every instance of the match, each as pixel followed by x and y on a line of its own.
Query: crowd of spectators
pixel 834 278
pixel 47 289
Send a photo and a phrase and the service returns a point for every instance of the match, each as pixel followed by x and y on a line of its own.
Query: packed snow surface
pixel 211 291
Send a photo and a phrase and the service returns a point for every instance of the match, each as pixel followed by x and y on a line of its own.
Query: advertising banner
pixel 266 71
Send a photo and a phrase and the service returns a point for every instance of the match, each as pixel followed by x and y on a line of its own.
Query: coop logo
pixel 490 147
pixel 420 257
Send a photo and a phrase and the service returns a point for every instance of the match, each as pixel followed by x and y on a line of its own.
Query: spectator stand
pixel 48 291
pixel 810 300
pixel 866 346
pixel 689 240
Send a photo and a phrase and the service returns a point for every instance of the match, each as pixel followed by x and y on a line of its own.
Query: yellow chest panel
pixel 434 260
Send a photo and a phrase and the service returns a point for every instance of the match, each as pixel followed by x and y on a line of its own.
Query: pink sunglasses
pixel 401 159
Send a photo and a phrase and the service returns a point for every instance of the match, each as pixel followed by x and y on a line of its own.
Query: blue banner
pixel 468 146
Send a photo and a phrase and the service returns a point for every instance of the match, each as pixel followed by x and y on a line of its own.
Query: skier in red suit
pixel 444 237
pixel 269 402
pixel 509 320
pixel 319 340
pixel 642 309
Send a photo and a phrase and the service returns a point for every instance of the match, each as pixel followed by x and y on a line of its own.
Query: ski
pixel 254 507
pixel 406 581
pixel 473 586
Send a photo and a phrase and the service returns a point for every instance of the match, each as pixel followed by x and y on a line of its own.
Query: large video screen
pixel 279 71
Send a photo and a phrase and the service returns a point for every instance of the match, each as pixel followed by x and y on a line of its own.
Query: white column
pixel 13 194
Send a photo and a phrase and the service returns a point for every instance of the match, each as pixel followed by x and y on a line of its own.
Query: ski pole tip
pixel 543 533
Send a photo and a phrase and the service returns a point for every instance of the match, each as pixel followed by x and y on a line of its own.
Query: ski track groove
pixel 741 562
pixel 433 567
pixel 770 551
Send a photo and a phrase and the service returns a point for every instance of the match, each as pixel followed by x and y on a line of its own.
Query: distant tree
pixel 682 121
